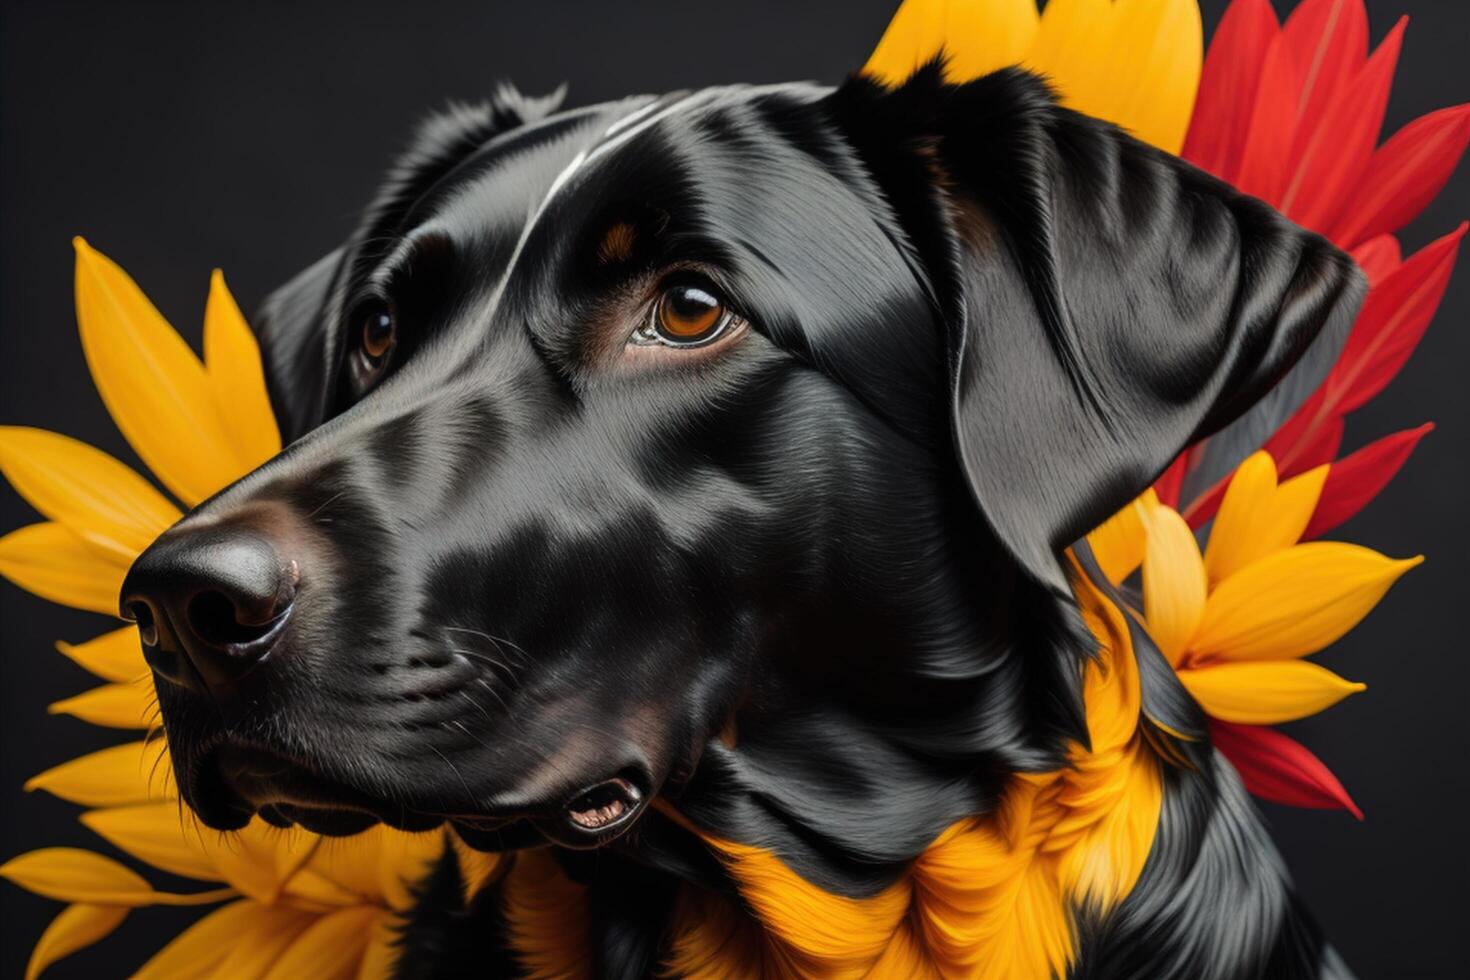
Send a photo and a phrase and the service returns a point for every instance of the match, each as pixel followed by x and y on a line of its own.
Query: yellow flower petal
pixel 308 889
pixel 381 955
pixel 124 705
pixel 353 862
pixel 1160 44
pixel 260 940
pixel 115 656
pixel 232 364
pixel 156 833
pixel 1118 542
pixel 98 498
pixel 1294 602
pixel 1257 518
pixel 55 564
pixel 260 859
pixel 153 385
pixel 77 927
pixel 1246 504
pixel 1132 62
pixel 122 775
pixel 73 875
pixel 331 948
pixel 978 36
pixel 1266 693
pixel 403 861
pixel 197 949
pixel 1173 582
pixel 1296 500
pixel 1071 51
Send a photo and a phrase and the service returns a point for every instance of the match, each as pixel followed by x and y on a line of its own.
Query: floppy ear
pixel 1106 304
pixel 296 323
pixel 291 327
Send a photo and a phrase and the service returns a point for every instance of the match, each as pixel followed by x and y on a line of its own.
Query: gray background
pixel 180 137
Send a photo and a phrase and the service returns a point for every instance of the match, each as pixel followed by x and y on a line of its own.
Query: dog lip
pixel 327 821
pixel 235 780
pixel 262 779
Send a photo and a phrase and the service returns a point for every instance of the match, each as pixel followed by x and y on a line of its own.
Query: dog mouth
pixel 234 782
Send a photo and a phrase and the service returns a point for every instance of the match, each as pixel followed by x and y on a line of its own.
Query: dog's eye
pixel 687 315
pixel 378 331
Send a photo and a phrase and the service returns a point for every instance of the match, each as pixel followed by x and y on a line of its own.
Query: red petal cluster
pixel 1291 114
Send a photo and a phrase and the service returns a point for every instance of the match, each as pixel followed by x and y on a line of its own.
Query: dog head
pixel 629 434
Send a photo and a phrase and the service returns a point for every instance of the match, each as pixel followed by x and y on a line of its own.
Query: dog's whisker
pixel 469 734
pixel 476 705
pixel 497 641
pixel 486 659
pixel 493 693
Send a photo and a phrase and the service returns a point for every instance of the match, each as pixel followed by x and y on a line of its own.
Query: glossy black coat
pixel 804 582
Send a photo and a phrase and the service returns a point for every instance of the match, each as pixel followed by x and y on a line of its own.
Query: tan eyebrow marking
pixel 617 244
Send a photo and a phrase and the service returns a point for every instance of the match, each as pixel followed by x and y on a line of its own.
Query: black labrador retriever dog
pixel 755 410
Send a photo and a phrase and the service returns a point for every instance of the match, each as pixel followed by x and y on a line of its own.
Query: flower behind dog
pixel 1236 620
pixel 1289 112
pixel 297 904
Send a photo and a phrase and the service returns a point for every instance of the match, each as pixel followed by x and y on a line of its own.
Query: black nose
pixel 210 602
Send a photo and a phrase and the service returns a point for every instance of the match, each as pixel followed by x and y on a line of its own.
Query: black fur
pixel 806 585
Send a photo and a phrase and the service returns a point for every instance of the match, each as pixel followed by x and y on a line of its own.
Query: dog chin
pixel 234 782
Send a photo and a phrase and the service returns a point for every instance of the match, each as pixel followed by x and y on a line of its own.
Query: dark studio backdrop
pixel 179 137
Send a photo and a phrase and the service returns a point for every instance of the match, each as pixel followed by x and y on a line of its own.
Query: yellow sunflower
pixel 298 905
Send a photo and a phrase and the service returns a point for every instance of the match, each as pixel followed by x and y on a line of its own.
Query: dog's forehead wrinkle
pixel 503 152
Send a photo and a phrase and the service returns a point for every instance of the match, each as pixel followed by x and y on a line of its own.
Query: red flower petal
pixel 1268 141
pixel 1202 508
pixel 1405 174
pixel 1281 769
pixel 1378 257
pixel 1168 484
pixel 1356 479
pixel 1390 326
pixel 1289 443
pixel 1393 320
pixel 1320 447
pixel 1227 87
pixel 1329 40
pixel 1329 159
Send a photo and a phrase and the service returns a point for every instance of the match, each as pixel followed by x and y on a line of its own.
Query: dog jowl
pixel 721 446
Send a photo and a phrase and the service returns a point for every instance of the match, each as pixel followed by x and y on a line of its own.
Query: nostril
pixel 142 614
pixel 211 602
pixel 215 620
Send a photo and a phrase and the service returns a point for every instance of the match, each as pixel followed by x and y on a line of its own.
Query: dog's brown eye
pixel 686 315
pixel 378 332
pixel 688 312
